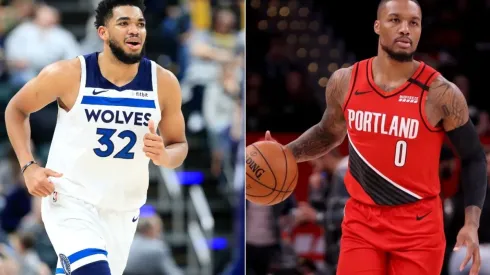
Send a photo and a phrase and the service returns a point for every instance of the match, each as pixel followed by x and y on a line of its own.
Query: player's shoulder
pixel 63 70
pixel 341 78
pixel 443 87
pixel 343 73
pixel 165 77
pixel 443 92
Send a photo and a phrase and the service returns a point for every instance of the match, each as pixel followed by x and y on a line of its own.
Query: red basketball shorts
pixel 400 240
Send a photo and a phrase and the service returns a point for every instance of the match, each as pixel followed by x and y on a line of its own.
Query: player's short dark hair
pixel 104 10
pixel 382 2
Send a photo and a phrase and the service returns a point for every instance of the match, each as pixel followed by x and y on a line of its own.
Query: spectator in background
pixel 35 44
pixel 30 47
pixel 263 234
pixel 327 197
pixel 8 262
pixel 216 53
pixel 11 16
pixel 32 225
pixel 479 117
pixel 92 42
pixel 209 50
pixel 17 198
pixel 176 29
pixel 30 263
pixel 149 254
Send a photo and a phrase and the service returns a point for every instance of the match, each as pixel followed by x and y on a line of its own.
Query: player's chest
pixel 117 109
pixel 398 115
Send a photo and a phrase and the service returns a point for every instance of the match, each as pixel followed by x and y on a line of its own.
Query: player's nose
pixel 133 29
pixel 404 28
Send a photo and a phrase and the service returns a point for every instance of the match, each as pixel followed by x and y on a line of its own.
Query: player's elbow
pixel 13 111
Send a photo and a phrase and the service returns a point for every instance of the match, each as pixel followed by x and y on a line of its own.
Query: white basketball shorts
pixel 82 233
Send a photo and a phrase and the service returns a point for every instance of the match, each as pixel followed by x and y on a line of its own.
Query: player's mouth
pixel 403 42
pixel 133 45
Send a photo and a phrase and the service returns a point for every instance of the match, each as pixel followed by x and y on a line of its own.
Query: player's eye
pixel 415 23
pixel 395 20
pixel 123 24
pixel 141 25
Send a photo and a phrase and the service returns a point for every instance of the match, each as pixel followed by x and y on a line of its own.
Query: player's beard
pixel 398 56
pixel 124 57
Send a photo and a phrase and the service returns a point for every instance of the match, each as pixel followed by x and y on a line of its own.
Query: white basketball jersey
pixel 98 144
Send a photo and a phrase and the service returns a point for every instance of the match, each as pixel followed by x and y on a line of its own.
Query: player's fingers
pixel 52 173
pixel 458 244
pixel 151 150
pixel 44 191
pixel 475 267
pixel 466 259
pixel 153 144
pixel 268 135
pixel 35 192
pixel 155 137
pixel 151 127
pixel 151 155
pixel 46 187
pixel 39 190
pixel 49 186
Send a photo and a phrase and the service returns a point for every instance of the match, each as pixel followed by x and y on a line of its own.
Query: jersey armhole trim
pixel 423 99
pixel 154 84
pixel 81 89
pixel 352 84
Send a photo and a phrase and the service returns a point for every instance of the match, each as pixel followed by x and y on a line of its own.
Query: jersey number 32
pixel 106 139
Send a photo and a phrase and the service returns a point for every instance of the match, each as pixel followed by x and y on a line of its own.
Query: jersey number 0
pixel 400 153
pixel 105 139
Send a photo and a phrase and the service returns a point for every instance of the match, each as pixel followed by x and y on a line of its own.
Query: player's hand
pixel 468 236
pixel 154 147
pixel 37 181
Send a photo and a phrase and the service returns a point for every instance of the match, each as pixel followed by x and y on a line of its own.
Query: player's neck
pixel 115 71
pixel 392 69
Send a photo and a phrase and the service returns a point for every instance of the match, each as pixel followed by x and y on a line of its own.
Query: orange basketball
pixel 272 173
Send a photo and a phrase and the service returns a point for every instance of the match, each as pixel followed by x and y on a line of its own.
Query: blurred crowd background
pixel 302 44
pixel 190 224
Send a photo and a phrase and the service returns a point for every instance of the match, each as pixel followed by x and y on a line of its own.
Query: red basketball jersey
pixel 393 150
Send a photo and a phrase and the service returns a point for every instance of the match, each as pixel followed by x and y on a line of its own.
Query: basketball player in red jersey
pixel 395 112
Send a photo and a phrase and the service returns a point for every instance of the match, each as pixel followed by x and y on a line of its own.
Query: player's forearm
pixel 177 153
pixel 314 143
pixel 19 132
pixel 473 169
pixel 474 180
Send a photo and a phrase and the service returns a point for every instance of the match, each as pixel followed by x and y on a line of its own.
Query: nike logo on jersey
pixel 135 218
pixel 99 92
pixel 423 216
pixel 361 93
pixel 371 122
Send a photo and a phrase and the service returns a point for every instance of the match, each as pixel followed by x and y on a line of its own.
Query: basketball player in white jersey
pixel 110 106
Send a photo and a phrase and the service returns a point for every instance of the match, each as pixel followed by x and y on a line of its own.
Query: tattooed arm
pixel 448 101
pixel 331 130
pixel 451 106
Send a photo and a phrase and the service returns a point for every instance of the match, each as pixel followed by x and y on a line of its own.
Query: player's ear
pixel 102 31
pixel 376 27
